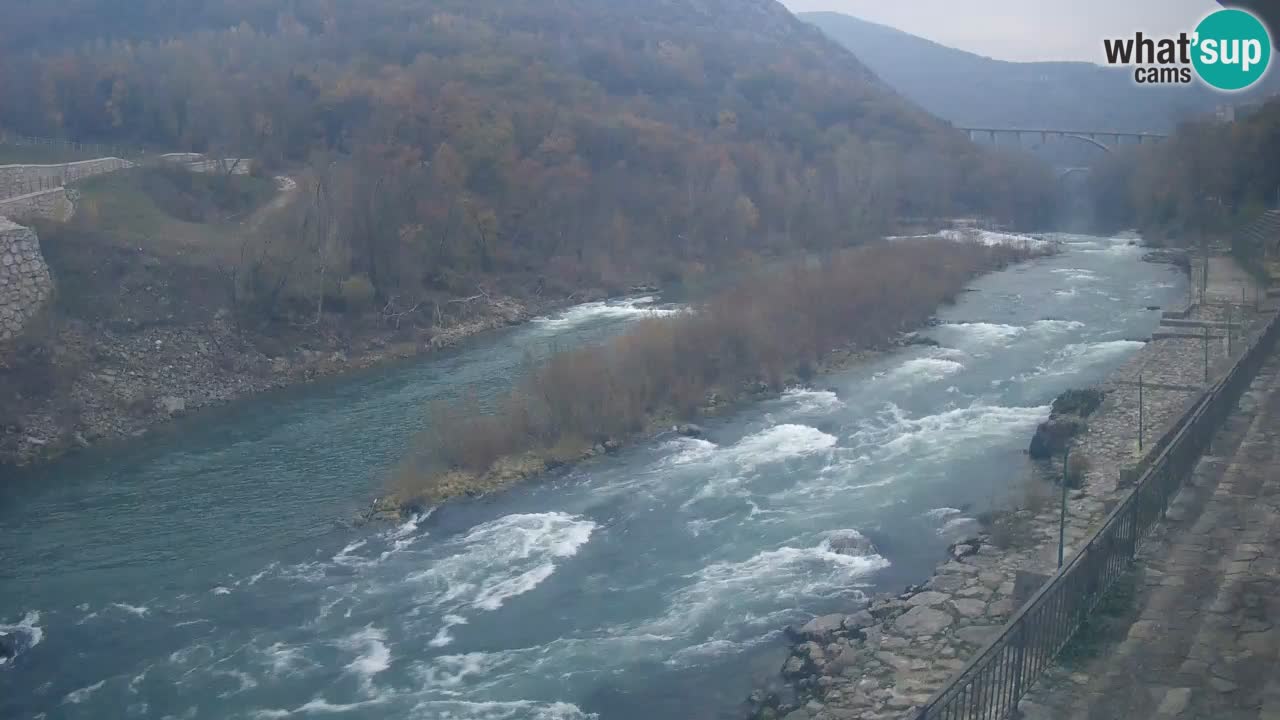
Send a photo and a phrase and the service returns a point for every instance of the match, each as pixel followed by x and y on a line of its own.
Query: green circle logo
pixel 1232 49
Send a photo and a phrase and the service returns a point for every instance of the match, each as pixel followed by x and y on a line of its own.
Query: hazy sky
pixel 1024 29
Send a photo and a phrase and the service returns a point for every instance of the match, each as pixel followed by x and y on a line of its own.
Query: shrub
pixel 765 329
pixel 1078 467
pixel 356 292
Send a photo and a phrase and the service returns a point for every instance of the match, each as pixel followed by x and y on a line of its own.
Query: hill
pixel 591 142
pixel 969 89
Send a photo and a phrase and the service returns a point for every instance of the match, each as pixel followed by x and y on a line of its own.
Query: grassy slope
pixel 132 210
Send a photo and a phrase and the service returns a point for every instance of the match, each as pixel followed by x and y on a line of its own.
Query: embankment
pixel 893 655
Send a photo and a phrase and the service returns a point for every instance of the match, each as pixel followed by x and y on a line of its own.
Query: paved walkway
pixel 1204 641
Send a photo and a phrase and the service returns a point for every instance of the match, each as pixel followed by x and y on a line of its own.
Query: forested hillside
pixel 581 142
pixel 969 89
pixel 1206 181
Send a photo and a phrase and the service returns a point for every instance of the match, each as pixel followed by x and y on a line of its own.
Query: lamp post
pixel 1140 418
pixel 1062 520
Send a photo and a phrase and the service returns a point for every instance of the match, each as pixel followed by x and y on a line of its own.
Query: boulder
pixel 1054 436
pixel 918 339
pixel 794 667
pixel 858 620
pixel 850 542
pixel 928 599
pixel 171 405
pixel 921 620
pixel 1077 402
pixel 691 430
pixel 820 629
pixel 8 646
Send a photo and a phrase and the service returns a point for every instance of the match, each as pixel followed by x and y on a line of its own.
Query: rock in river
pixel 8 646
pixel 850 542
pixel 691 430
pixel 1053 437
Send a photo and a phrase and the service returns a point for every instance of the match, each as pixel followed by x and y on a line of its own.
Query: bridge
pixel 1093 137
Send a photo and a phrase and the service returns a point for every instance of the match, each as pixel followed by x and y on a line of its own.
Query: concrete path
pixel 1204 640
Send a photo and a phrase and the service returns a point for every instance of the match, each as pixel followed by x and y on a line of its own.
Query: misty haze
pixel 635 359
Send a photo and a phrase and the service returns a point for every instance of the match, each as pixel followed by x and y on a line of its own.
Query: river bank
pixel 891 656
pixel 121 382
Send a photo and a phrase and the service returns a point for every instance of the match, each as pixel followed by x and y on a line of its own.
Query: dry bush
pixel 765 329
pixel 1078 467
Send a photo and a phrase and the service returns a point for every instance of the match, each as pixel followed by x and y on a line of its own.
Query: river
pixel 210 571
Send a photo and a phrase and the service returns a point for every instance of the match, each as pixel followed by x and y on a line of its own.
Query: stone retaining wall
pixel 25 283
pixel 16 180
pixel 55 204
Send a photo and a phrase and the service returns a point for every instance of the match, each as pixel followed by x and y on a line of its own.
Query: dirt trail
pixel 286 191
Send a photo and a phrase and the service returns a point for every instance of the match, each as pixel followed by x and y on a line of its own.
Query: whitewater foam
pixel 513 710
pixel 685 451
pixel 75 697
pixel 27 626
pixel 959 528
pixel 768 579
pixel 779 443
pixel 990 237
pixel 443 638
pixel 805 401
pixel 978 335
pixel 284 660
pixel 501 559
pixel 1077 356
pixel 893 433
pixel 632 308
pixel 136 610
pixel 1079 275
pixel 923 370
pixel 374 655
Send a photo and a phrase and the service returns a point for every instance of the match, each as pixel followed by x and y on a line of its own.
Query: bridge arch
pixel 1085 138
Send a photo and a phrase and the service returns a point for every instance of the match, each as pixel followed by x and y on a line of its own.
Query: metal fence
pixel 991 684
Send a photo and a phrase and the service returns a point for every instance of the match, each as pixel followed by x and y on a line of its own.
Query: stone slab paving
pixel 1203 642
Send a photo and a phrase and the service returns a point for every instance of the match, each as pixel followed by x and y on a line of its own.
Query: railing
pixel 993 682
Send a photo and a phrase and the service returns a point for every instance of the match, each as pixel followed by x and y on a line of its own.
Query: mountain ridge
pixel 967 88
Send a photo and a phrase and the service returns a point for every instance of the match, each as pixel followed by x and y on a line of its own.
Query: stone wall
pixel 25 283
pixel 55 204
pixel 18 180
pixel 197 163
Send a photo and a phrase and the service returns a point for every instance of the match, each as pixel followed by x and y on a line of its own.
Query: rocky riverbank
pixel 887 659
pixel 118 382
